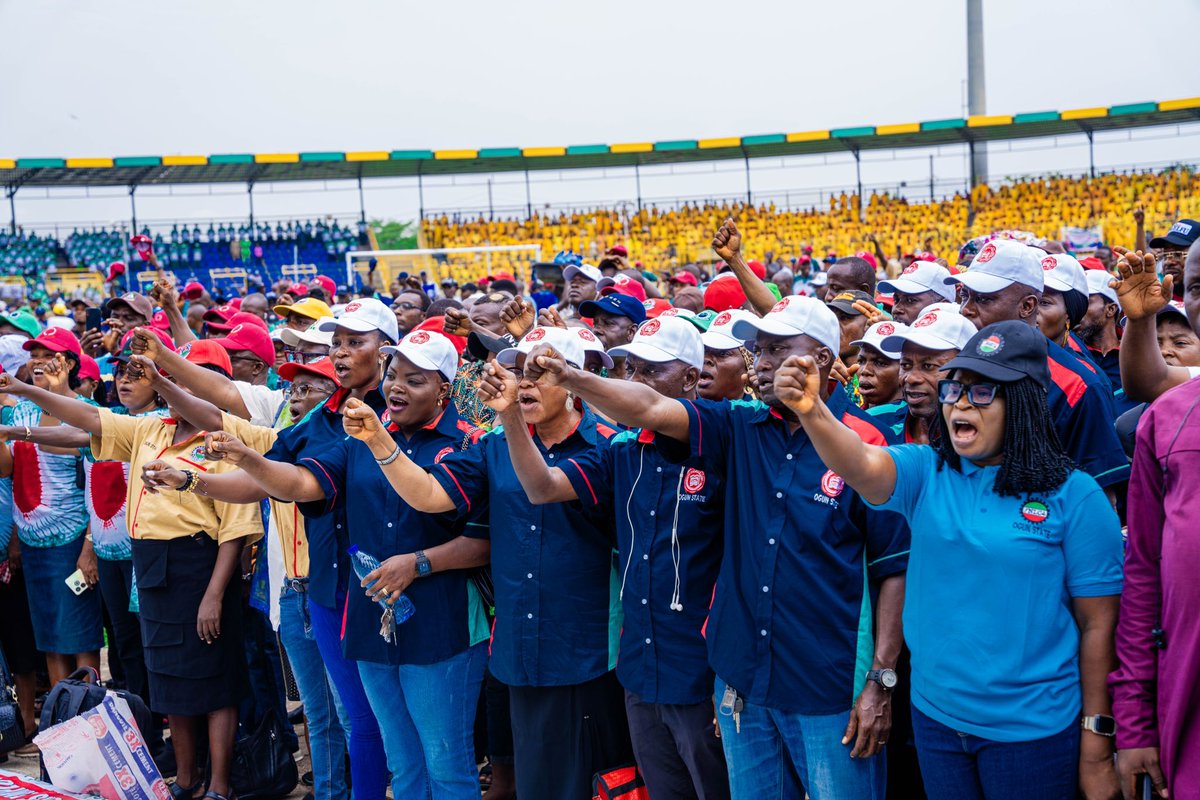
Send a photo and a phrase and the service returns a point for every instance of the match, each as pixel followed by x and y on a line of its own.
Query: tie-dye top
pixel 106 484
pixel 48 505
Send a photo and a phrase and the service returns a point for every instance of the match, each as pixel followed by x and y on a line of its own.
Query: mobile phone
pixel 94 319
pixel 1145 787
pixel 76 583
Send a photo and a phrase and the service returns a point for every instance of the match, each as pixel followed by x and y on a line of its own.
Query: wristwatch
pixel 884 677
pixel 423 566
pixel 1099 724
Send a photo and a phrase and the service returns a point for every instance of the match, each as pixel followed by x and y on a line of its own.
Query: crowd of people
pixel 762 527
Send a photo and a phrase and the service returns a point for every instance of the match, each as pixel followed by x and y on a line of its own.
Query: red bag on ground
pixel 619 783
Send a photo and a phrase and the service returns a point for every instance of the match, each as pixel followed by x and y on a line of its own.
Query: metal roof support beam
pixel 133 206
pixel 528 198
pixel 1091 152
pixel 637 177
pixel 862 204
pixel 362 203
pixel 420 192
pixel 11 192
pixel 749 193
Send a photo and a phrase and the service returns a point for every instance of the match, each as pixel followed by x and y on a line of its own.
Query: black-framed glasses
pixel 406 306
pixel 252 359
pixel 979 395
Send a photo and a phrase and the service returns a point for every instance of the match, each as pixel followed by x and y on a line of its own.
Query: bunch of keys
pixel 387 625
pixel 731 704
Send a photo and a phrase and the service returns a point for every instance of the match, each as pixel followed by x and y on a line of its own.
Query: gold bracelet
pixel 28 433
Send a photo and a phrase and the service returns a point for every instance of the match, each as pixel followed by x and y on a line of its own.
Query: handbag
pixel 12 725
pixel 619 783
pixel 263 766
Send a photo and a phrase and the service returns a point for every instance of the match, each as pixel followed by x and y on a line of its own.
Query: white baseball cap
pixel 939 327
pixel 665 339
pixel 920 277
pixel 877 333
pixel 719 335
pixel 1064 273
pixel 820 279
pixel 363 316
pixel 586 270
pixel 561 339
pixel 1000 264
pixel 792 316
pixel 591 344
pixel 1097 281
pixel 310 335
pixel 427 350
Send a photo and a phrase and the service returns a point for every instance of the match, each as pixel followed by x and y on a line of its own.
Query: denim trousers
pixel 778 755
pixel 368 764
pixel 961 766
pixel 328 723
pixel 427 714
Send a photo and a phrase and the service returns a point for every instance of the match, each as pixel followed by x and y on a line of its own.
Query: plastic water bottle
pixel 364 564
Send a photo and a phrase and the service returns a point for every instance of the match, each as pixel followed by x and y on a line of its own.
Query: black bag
pixel 75 694
pixel 12 725
pixel 263 766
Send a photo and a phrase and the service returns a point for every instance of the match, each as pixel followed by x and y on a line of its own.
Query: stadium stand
pixel 26 251
pixel 661 238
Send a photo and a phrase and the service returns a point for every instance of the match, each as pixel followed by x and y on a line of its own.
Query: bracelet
pixel 28 433
pixel 189 482
pixel 383 462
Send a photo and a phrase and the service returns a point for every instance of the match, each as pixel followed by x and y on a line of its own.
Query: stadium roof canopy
pixel 268 167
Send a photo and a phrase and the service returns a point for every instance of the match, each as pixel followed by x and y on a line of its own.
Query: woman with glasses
pixel 1013 580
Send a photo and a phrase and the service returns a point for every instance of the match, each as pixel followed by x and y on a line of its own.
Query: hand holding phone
pixel 76 582
pixel 94 319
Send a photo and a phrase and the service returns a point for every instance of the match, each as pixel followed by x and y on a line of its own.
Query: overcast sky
pixel 125 77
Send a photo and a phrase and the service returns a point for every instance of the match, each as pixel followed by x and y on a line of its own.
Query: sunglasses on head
pixel 979 395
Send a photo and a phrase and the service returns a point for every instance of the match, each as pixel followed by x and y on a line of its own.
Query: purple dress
pixel 1156 692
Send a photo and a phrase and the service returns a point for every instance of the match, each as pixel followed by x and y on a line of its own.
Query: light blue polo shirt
pixel 987 608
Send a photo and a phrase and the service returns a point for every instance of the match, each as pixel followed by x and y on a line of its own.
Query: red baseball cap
pixel 298 289
pixel 238 318
pixel 60 340
pixel 622 284
pixel 619 250
pixel 219 314
pixel 236 303
pixel 724 294
pixel 758 269
pixel 252 338
pixel 437 325
pixel 123 353
pixel 327 284
pixel 114 269
pixel 925 255
pixel 657 306
pixel 868 257
pixel 88 368
pixel 322 367
pixel 503 276
pixel 192 291
pixel 206 352
pixel 1091 262
pixel 160 321
pixel 683 276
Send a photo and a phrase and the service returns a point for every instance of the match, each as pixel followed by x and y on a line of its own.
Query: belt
pixel 296 584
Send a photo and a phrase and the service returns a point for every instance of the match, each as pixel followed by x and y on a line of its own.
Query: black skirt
pixel 187 676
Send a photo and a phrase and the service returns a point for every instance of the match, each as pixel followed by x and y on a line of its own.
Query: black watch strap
pixel 423 566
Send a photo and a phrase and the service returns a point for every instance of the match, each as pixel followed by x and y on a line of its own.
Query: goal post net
pixel 463 264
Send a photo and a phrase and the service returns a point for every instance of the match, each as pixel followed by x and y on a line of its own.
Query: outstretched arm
pixel 196 410
pixel 281 481
pixel 204 383
pixel 1144 373
pixel 414 485
pixel 727 243
pixel 66 409
pixel 168 300
pixel 542 483
pixel 63 437
pixel 232 487
pixel 624 401
pixel 867 468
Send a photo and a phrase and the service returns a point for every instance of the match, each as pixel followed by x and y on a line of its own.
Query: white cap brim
pixel 349 323
pixel 1057 284
pixel 648 352
pixel 419 359
pixel 508 358
pixel 981 282
pixel 295 338
pixel 750 328
pixel 909 286
pixel 879 344
pixel 919 337
pixel 719 340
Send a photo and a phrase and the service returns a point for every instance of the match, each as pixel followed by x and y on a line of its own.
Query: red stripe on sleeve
pixel 457 485
pixel 582 474
pixel 1073 386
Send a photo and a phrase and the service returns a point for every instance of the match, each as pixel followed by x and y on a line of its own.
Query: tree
pixel 395 235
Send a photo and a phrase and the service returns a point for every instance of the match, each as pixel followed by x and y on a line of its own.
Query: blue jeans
pixel 328 723
pixel 960 766
pixel 428 720
pixel 780 754
pixel 368 765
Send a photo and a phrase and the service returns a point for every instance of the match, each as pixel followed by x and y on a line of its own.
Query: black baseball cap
pixel 479 344
pixel 619 305
pixel 845 301
pixel 1005 352
pixel 1182 234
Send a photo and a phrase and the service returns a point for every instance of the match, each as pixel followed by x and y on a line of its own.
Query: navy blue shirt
pixel 791 624
pixel 670 531
pixel 383 525
pixel 321 429
pixel 1110 365
pixel 1082 409
pixel 552 565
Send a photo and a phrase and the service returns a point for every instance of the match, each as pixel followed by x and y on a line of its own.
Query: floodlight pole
pixel 491 208
pixel 749 195
pixel 637 177
pixel 528 197
pixel 133 206
pixel 11 191
pixel 1091 154
pixel 362 204
pixel 862 204
pixel 976 86
pixel 250 194
pixel 420 192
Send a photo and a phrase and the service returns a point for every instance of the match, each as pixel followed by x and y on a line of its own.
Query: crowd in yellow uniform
pixel 664 238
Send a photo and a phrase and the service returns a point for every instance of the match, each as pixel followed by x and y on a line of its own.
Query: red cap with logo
pixel 622 284
pixel 192 291
pixel 88 368
pixel 60 340
pixel 683 276
pixel 251 338
pixel 238 318
pixel 437 324
pixel 868 257
pixel 724 293
pixel 322 367
pixel 327 285
pixel 206 352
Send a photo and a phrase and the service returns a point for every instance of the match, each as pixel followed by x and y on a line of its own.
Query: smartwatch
pixel 884 677
pixel 424 568
pixel 1099 724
